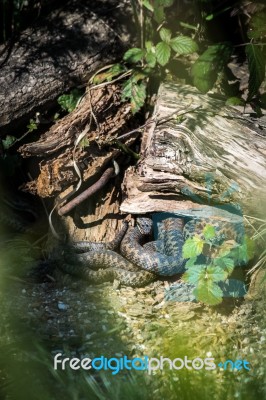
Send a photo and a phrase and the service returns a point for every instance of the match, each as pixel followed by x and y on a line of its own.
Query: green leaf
pixel 209 293
pixel 68 102
pixel 148 5
pixel 190 262
pixel 256 65
pixel 183 45
pixel 134 55
pixel 195 274
pixel 9 140
pixel 136 92
pixel 163 52
pixel 235 101
pixel 216 273
pixel 205 70
pixel 257 25
pixel 246 250
pixel 209 232
pixel 226 263
pixel 108 75
pixel 164 3
pixel 192 247
pixel 149 46
pixel 159 14
pixel 32 126
pixel 151 59
pixel 165 35
pixel 209 17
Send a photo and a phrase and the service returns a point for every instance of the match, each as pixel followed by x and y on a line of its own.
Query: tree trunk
pixel 194 151
pixel 62 51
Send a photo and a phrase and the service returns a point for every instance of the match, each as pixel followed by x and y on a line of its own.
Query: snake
pixel 140 263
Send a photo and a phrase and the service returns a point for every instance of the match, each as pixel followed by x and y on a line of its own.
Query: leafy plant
pixel 161 43
pixel 211 260
pixel 69 101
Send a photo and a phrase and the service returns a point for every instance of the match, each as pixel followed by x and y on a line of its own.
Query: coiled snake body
pixel 139 263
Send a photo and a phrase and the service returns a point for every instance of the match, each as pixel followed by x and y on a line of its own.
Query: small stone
pixel 62 306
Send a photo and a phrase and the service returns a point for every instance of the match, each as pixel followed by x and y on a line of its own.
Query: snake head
pixel 144 225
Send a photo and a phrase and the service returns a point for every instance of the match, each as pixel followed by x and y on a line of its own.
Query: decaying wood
pixel 55 147
pixel 208 155
pixel 62 51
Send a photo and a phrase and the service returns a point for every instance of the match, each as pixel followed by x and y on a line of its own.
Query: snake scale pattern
pixel 139 263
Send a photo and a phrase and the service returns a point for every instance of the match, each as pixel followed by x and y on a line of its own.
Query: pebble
pixel 62 306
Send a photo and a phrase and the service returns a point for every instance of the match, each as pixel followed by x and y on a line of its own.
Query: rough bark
pixel 211 155
pixel 55 147
pixel 55 55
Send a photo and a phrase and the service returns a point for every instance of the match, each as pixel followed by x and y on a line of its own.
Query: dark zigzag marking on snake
pixel 158 263
pixel 111 266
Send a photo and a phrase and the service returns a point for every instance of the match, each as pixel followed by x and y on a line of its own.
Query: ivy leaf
pixel 148 5
pixel 256 65
pixel 209 232
pixel 192 247
pixel 163 52
pixel 165 35
pixel 151 59
pixel 195 274
pixel 205 70
pixel 183 45
pixel 209 293
pixel 134 55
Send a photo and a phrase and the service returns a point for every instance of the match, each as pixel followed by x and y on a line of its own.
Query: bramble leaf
pixel 190 262
pixel 163 52
pixel 246 250
pixel 151 59
pixel 215 273
pixel 159 14
pixel 148 5
pixel 208 292
pixel 165 35
pixel 209 232
pixel 134 55
pixel 256 65
pixel 195 274
pixel 226 263
pixel 183 45
pixel 205 70
pixel 192 247
pixel 136 92
pixel 257 25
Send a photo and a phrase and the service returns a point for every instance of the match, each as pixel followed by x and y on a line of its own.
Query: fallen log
pixel 61 52
pixel 195 151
